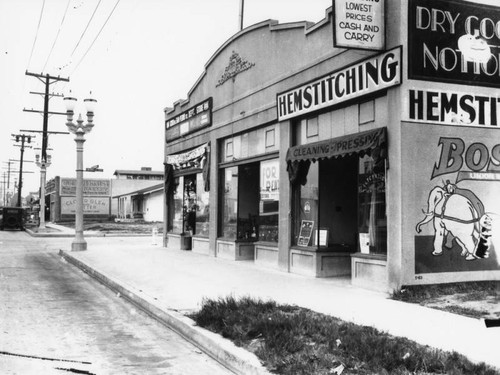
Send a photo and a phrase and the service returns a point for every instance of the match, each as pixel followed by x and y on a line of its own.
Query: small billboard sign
pixel 359 24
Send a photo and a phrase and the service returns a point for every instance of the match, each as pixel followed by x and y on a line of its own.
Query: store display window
pixel 191 206
pixel 178 217
pixel 229 210
pixel 372 221
pixel 339 201
pixel 202 207
pixel 250 201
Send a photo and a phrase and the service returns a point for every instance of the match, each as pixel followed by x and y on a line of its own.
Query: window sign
pixel 306 228
pixel 321 237
pixel 359 24
pixel 269 180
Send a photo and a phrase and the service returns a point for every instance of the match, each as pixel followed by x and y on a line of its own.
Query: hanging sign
pixel 191 159
pixel 454 42
pixel 359 24
pixel 306 228
pixel 375 74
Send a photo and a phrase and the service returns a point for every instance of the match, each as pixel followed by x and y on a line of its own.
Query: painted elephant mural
pixel 458 214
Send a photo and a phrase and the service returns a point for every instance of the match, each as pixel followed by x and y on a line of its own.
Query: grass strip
pixel 293 340
pixel 422 293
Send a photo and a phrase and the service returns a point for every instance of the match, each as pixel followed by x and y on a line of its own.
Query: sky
pixel 135 56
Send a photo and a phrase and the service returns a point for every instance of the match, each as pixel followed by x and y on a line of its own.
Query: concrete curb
pixel 224 351
pixel 70 235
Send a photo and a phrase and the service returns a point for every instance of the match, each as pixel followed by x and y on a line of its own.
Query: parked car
pixel 12 218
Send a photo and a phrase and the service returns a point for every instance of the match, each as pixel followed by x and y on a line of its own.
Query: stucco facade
pixel 319 160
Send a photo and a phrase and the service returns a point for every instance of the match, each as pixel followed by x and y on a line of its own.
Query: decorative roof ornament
pixel 235 67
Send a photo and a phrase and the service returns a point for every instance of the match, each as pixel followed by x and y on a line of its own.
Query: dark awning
pixel 359 143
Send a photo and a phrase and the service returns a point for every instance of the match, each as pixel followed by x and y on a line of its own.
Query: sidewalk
pixel 171 282
pixel 56 230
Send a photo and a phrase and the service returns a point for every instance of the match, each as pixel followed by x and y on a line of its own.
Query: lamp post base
pixel 79 245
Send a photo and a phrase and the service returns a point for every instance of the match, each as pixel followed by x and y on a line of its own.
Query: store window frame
pixel 221 171
pixel 176 175
pixel 300 176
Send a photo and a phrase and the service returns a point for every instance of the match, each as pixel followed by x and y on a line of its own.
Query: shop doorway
pixel 328 205
pixel 338 185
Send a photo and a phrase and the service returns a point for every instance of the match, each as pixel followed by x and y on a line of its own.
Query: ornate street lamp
pixel 79 129
pixel 43 165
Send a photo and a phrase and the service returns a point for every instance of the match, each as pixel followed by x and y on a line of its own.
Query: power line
pixel 97 36
pixel 57 36
pixel 86 27
pixel 36 35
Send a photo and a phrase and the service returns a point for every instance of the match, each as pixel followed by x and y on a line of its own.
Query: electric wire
pixel 36 35
pixel 97 36
pixel 86 27
pixel 57 36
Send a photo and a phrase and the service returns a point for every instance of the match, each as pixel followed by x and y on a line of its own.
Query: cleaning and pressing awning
pixel 359 143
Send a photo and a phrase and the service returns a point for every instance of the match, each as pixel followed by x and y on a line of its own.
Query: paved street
pixel 55 319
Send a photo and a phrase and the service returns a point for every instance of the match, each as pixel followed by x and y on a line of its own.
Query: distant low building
pixel 143 204
pixel 129 181
pixel 146 173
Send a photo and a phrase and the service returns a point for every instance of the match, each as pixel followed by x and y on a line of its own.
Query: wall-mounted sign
pixel 454 108
pixel 94 187
pixel 192 119
pixel 359 24
pixel 364 78
pixel 454 41
pixel 452 184
pixel 91 206
pixel 50 186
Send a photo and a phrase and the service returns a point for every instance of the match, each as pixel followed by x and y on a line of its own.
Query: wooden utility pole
pixel 8 172
pixel 47 80
pixel 4 182
pixel 21 138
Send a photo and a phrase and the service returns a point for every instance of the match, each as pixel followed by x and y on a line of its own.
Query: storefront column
pixel 395 247
pixel 214 195
pixel 285 209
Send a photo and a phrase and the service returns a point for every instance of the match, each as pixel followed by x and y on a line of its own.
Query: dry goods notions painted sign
pixel 454 42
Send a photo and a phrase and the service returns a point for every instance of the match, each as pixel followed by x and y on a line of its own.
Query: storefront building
pixel 365 145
